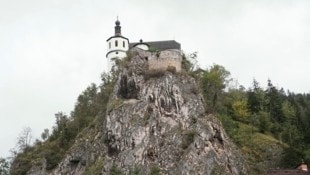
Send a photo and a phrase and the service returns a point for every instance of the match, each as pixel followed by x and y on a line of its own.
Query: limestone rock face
pixel 38 170
pixel 165 126
pixel 155 123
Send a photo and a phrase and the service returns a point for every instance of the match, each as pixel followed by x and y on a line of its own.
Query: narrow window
pixel 124 44
pixel 109 45
pixel 116 43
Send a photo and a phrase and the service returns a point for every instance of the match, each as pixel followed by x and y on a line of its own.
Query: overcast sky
pixel 51 50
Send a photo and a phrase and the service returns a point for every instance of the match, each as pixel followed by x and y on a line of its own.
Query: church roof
pixel 160 45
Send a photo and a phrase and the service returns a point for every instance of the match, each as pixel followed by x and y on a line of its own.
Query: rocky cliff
pixel 155 124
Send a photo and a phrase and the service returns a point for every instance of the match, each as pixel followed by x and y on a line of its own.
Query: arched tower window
pixel 116 43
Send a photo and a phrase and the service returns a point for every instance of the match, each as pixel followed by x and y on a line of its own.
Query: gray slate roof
pixel 160 45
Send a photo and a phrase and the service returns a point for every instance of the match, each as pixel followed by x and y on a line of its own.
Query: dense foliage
pixel 270 111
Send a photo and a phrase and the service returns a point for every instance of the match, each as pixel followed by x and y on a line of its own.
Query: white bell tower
pixel 117 45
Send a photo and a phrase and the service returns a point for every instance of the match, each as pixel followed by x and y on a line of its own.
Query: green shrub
pixel 22 164
pixel 155 170
pixel 187 139
pixel 95 168
pixel 115 170
pixel 114 104
pixel 134 171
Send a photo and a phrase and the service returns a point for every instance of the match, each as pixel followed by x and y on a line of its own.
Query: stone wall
pixel 162 60
pixel 166 59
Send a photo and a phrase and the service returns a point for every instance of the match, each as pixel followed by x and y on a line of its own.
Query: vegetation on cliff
pixel 92 101
pixel 268 124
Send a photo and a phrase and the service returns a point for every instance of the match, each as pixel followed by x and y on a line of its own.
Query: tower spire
pixel 117 28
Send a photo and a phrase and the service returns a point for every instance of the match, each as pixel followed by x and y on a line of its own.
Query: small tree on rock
pixel 24 139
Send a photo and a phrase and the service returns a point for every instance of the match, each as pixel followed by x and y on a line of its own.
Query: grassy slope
pixel 261 151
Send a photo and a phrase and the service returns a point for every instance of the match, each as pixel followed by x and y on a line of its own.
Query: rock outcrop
pixel 155 124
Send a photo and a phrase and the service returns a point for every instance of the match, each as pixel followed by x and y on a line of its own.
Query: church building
pixel 118 45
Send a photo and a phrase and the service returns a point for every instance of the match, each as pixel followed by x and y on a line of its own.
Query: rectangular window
pixel 116 43
pixel 124 44
pixel 109 45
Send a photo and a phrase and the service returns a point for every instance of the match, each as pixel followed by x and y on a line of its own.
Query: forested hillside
pixel 257 116
pixel 268 124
